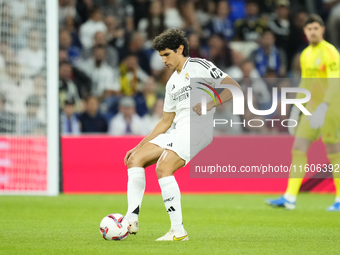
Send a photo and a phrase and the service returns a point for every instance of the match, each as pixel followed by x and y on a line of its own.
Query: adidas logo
pixel 171 209
pixel 169 199
pixel 173 87
pixel 169 145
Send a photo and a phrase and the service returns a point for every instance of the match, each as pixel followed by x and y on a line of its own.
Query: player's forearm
pixel 160 128
pixel 226 94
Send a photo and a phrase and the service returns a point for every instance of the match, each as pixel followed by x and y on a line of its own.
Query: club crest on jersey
pixel 187 77
pixel 318 61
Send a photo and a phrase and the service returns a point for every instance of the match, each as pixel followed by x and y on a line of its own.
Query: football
pixel 114 227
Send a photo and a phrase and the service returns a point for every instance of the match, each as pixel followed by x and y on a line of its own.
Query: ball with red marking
pixel 114 227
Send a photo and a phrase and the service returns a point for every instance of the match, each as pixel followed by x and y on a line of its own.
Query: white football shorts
pixel 179 141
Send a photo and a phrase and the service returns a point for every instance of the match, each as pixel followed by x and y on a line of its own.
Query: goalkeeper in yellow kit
pixel 320 75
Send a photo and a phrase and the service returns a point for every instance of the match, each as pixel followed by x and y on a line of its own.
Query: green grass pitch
pixel 216 224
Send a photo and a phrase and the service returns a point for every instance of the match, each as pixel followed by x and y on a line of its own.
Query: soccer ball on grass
pixel 114 227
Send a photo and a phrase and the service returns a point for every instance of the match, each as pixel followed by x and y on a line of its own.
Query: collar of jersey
pixel 184 65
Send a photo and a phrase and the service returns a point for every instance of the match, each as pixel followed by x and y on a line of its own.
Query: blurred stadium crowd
pixel 110 79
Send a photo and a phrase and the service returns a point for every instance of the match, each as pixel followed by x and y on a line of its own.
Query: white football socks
pixel 172 201
pixel 135 192
pixel 337 199
pixel 290 198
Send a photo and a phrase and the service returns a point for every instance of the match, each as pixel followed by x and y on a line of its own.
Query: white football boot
pixel 173 235
pixel 134 227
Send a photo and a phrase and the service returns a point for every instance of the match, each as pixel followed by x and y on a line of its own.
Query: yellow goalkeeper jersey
pixel 320 74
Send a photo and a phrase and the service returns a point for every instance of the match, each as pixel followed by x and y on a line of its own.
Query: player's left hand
pixel 198 108
pixel 318 116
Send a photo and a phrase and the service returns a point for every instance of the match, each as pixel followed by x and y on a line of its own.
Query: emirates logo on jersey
pixel 181 94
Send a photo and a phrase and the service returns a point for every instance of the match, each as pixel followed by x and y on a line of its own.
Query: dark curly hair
pixel 171 39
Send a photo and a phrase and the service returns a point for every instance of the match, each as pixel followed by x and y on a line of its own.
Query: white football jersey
pixel 181 89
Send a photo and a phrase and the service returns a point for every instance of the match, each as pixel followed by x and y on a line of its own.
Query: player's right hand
pixel 294 115
pixel 128 154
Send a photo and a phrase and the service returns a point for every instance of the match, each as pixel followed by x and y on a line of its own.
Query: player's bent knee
pixel 135 161
pixel 162 171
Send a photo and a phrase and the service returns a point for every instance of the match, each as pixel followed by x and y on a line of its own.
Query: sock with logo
pixel 135 192
pixel 296 178
pixel 172 201
pixel 334 159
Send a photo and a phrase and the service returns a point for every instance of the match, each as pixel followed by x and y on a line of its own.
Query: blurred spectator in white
pixel 333 21
pixel 127 122
pixel 15 87
pixel 31 121
pixel 153 24
pixel 280 24
pixel 23 25
pixel 91 27
pixel 122 11
pixel 111 54
pixel 173 18
pixel 67 88
pixel 222 22
pixel 234 70
pixel 19 8
pixel 131 75
pixel 219 53
pixel 65 42
pixel 66 9
pixel 250 28
pixel 104 78
pixel 195 50
pixel 268 56
pixel 92 121
pixel 116 36
pixel 32 57
pixel 156 64
pixel 151 119
pixel 7 119
pixel 69 122
pixel 40 92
